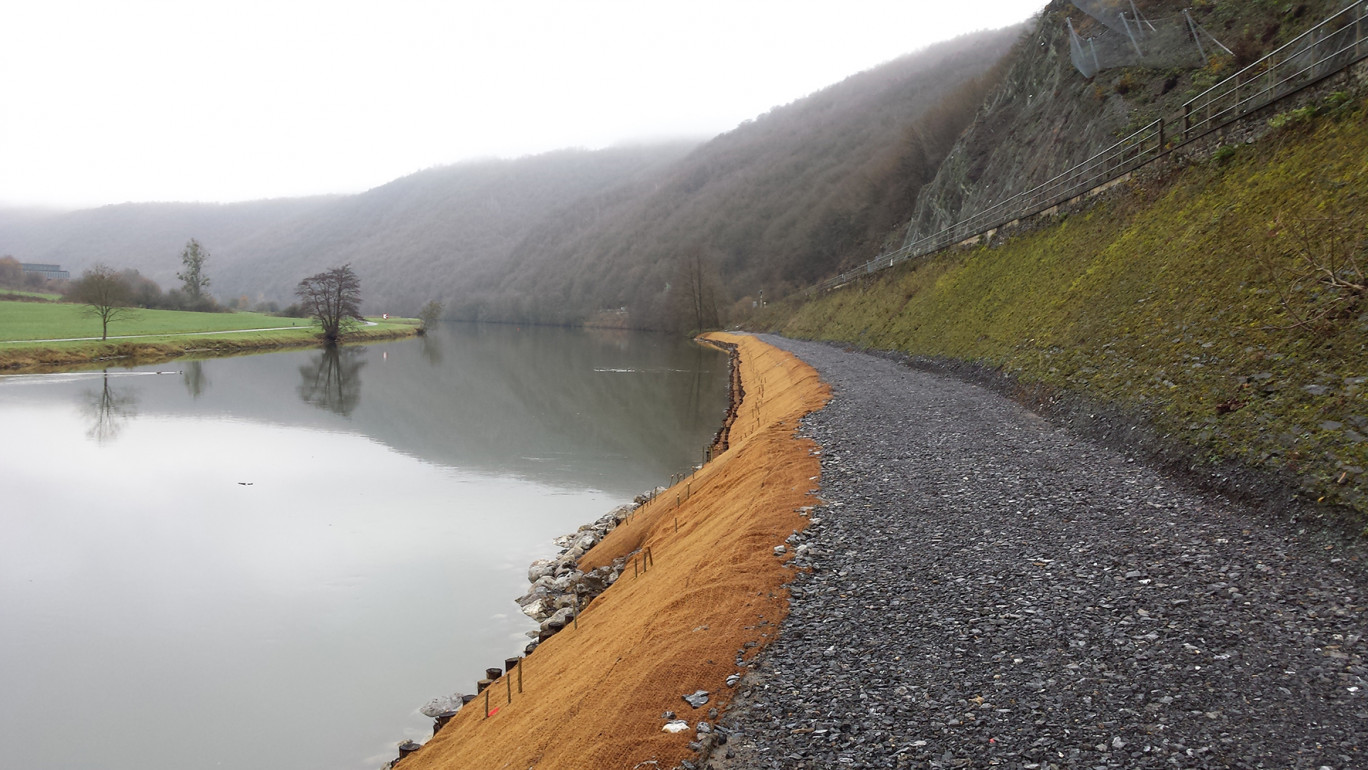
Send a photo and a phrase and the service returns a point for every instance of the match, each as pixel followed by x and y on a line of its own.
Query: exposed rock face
pixel 1040 121
pixel 1045 117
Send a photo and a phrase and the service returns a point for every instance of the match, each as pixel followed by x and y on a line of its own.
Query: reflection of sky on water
pixel 262 578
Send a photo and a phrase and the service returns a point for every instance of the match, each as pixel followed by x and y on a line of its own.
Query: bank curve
pixel 709 598
pixel 988 589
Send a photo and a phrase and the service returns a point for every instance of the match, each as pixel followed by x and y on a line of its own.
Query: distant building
pixel 50 272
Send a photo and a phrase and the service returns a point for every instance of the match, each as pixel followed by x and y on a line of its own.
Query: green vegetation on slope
pixel 1190 300
pixel 29 296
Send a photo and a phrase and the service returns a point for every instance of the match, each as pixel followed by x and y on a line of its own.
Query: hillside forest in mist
pixel 572 236
pixel 684 235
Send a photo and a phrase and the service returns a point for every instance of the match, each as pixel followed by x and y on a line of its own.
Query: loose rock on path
pixel 989 590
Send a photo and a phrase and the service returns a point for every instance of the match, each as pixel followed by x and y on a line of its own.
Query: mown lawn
pixel 60 320
pixel 29 295
pixel 155 335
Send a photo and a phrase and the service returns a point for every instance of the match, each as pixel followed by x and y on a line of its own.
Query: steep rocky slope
pixel 1046 116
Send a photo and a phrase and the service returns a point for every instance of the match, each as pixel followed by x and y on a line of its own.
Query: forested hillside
pixel 147 237
pixel 427 235
pixel 691 234
pixel 781 200
pixel 409 240
pixel 789 197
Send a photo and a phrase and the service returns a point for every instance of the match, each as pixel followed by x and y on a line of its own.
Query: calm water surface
pixel 273 561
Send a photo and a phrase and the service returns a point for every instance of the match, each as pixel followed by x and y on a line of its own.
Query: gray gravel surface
pixel 987 590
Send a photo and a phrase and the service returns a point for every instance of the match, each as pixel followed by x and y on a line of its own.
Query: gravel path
pixel 988 590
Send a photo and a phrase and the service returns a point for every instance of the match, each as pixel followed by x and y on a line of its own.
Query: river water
pixel 276 560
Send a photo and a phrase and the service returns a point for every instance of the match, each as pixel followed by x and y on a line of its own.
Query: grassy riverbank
pixel 35 336
pixel 1200 304
pixel 29 296
pixel 593 695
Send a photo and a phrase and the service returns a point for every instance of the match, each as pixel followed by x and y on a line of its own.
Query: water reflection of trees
pixel 555 404
pixel 196 381
pixel 332 380
pixel 432 351
pixel 109 409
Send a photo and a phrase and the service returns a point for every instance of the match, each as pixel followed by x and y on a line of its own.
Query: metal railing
pixel 1328 48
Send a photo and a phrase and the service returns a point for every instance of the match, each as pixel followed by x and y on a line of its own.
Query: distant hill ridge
pixel 403 237
pixel 559 237
pixel 686 234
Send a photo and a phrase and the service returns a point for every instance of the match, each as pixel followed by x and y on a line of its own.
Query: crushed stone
pixel 982 588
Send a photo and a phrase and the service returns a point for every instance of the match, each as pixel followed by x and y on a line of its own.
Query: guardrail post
pixel 1358 29
pixel 1187 119
pixel 1160 124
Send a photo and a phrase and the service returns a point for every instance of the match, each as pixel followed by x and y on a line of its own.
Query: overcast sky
pixel 209 100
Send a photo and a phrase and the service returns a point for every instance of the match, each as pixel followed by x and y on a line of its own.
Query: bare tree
pixel 106 296
pixel 193 257
pixel 109 409
pixel 334 298
pixel 333 380
pixel 196 381
pixel 697 291
pixel 1322 276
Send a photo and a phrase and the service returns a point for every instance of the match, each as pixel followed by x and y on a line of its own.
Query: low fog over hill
pixel 681 235
pixel 559 237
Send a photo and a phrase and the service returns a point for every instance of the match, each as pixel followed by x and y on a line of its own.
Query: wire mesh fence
pixel 1329 47
pixel 1325 49
pixel 1120 35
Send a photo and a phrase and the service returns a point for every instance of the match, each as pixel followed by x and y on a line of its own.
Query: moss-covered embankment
pixel 1222 306
pixel 684 619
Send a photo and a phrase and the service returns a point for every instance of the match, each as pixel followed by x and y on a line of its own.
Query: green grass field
pixel 29 295
pixel 150 335
pixel 60 320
